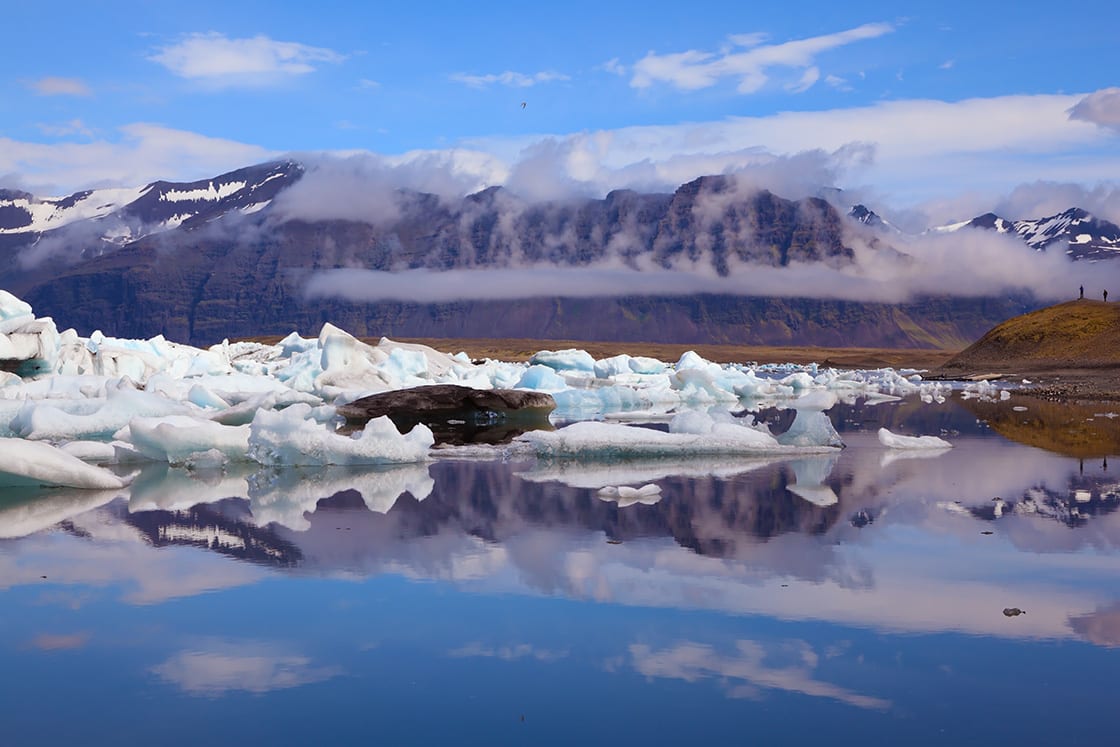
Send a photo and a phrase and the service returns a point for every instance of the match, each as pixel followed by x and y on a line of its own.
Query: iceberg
pixel 181 439
pixel 611 441
pixel 294 437
pixel 33 463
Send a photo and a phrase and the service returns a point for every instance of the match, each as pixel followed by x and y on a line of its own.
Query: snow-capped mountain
pixel 221 258
pixel 120 215
pixel 1084 236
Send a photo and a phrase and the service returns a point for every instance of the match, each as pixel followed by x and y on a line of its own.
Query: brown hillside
pixel 1071 335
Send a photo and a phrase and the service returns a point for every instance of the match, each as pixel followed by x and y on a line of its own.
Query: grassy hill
pixel 1071 335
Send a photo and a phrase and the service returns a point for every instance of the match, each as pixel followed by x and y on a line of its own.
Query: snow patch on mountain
pixel 209 192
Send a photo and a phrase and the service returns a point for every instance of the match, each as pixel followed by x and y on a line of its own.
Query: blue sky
pixel 945 106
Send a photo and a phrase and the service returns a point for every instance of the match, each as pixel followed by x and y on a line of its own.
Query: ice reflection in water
pixel 783 585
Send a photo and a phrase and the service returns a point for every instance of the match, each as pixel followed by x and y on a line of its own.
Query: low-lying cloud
pixel 968 263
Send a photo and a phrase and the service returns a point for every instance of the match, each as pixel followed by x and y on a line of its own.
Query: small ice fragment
pixel 894 441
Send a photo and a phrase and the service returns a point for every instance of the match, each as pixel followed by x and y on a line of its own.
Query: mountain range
pixel 230 257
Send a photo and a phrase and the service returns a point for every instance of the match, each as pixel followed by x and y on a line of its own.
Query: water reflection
pixel 759 580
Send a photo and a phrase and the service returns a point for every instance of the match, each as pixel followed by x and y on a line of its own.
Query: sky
pixel 928 112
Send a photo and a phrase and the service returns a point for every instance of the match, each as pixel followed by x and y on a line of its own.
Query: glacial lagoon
pixel 870 596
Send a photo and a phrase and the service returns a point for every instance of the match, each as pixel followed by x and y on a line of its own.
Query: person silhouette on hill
pixel 1081 292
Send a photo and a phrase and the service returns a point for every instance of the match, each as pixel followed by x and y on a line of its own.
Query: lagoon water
pixel 967 596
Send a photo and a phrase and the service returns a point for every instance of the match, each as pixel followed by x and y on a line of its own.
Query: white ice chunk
pixel 564 360
pixel 894 441
pixel 97 452
pixel 40 421
pixel 31 463
pixel 183 439
pixel 293 437
pixel 542 379
pixel 811 426
pixel 610 441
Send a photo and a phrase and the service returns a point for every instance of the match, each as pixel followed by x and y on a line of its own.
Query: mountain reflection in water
pixel 764 578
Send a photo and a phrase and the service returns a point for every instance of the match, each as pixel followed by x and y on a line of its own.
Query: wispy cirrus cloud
pixel 216 59
pixel 64 642
pixel 52 86
pixel 64 129
pixel 751 64
pixel 508 78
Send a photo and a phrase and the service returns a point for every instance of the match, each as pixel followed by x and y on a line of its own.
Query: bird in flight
pixel 523 104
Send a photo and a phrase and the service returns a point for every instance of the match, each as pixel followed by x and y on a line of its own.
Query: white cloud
pixel 614 67
pixel 947 64
pixel 508 78
pixel 695 69
pixel 142 153
pixel 1100 107
pixel 215 59
pixel 60 87
pixel 924 149
pixel 808 79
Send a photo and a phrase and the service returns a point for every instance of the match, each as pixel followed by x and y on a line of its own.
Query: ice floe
pixel 895 441
pixel 109 401
pixel 25 463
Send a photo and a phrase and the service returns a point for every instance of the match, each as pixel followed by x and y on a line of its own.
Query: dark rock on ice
pixel 456 414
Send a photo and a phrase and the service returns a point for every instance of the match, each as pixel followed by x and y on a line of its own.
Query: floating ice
pixel 31 463
pixel 187 440
pixel 193 405
pixel 611 441
pixel 42 421
pixel 627 496
pixel 565 360
pixel 294 437
pixel 811 426
pixel 894 441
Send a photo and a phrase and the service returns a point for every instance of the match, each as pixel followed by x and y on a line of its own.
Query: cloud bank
pixel 970 263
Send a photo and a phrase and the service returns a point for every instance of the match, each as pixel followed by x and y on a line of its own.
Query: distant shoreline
pixel 1065 382
pixel 518 350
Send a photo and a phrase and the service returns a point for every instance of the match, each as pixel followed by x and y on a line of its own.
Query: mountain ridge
pixel 226 257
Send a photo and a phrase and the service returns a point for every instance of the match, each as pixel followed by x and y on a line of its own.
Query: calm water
pixel 854 599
